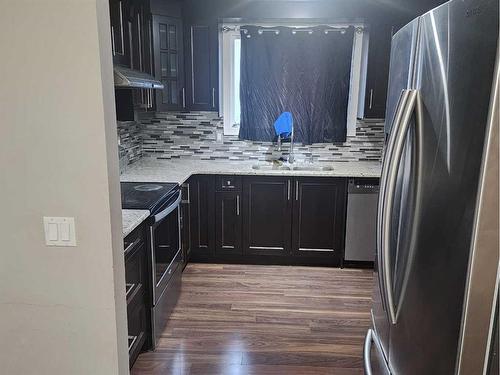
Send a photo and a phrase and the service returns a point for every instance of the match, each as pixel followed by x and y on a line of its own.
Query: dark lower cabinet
pixel 227 223
pixel 138 291
pixel 186 222
pixel 267 218
pixel 202 220
pixel 137 329
pixel 319 217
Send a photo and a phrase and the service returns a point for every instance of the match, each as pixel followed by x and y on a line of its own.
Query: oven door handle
pixel 161 215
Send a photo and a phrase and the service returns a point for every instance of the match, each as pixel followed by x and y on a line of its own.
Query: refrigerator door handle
pixel 403 98
pixel 392 170
pixel 371 336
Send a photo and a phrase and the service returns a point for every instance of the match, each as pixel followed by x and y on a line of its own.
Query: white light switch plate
pixel 59 231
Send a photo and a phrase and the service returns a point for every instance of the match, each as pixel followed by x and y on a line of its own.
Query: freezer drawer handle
pixel 392 171
pixel 366 352
pixel 371 336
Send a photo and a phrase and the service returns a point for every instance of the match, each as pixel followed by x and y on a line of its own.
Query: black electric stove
pixel 150 196
pixel 163 231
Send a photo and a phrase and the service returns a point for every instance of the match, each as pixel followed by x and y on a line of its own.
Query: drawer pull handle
pixel 129 288
pixel 131 345
pixel 188 200
pixel 132 245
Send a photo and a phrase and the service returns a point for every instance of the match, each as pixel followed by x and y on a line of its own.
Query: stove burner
pixel 143 195
pixel 149 187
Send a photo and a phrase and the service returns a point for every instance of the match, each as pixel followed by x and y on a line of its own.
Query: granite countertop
pixel 179 170
pixel 131 219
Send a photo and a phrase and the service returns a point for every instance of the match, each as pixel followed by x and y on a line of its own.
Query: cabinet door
pixel 228 223
pixel 377 78
pixel 202 65
pixel 137 285
pixel 138 37
pixel 267 215
pixel 137 319
pixel 185 221
pixel 169 62
pixel 319 216
pixel 202 216
pixel 118 10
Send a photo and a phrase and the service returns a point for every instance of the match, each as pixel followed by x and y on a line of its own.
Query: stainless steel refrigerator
pixel 435 279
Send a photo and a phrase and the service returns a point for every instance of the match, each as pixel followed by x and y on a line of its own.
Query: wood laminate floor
pixel 260 320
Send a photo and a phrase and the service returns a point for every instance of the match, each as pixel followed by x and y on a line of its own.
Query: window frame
pixel 357 82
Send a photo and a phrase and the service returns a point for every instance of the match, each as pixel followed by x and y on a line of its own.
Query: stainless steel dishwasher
pixel 360 239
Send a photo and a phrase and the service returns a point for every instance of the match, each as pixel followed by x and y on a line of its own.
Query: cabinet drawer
pixel 137 328
pixel 228 183
pixel 135 272
pixel 133 241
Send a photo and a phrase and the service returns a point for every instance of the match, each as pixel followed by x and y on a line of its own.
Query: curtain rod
pixel 327 29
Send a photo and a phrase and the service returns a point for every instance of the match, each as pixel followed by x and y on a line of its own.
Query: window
pixel 230 76
pixel 231 52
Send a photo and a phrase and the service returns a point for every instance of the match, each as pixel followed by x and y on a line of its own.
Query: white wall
pixel 62 310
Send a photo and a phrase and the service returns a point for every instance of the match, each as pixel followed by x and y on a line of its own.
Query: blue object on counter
pixel 283 125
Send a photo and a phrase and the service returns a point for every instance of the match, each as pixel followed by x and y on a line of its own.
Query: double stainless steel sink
pixel 291 167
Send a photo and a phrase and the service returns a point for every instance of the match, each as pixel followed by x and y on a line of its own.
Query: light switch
pixel 59 231
pixel 65 231
pixel 53 232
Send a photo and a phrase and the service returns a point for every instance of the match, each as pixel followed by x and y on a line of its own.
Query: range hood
pixel 133 79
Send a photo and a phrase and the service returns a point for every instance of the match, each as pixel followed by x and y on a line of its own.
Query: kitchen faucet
pixel 284 130
pixel 291 157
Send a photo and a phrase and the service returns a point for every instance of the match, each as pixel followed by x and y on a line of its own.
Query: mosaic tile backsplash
pixel 129 135
pixel 169 135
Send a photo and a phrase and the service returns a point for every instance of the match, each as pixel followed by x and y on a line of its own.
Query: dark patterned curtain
pixel 305 71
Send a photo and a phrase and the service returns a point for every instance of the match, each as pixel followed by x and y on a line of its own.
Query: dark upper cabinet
pixel 377 75
pixel 131 35
pixel 139 26
pixel 202 67
pixel 168 48
pixel 120 41
pixel 201 189
pixel 227 222
pixel 267 219
pixel 319 217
